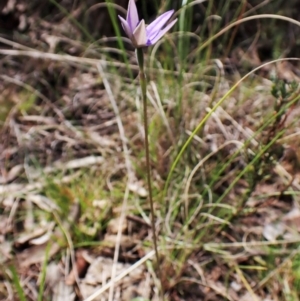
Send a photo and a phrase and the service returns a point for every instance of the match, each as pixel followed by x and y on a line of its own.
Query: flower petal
pixel 154 27
pixel 126 27
pixel 132 17
pixel 140 35
pixel 154 39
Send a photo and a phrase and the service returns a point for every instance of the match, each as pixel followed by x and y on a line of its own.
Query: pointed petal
pixel 132 15
pixel 154 27
pixel 125 27
pixel 140 34
pixel 161 33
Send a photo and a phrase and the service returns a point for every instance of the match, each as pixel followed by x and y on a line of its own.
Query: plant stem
pixel 143 83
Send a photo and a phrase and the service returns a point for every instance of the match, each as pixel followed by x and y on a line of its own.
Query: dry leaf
pixel 113 226
pixel 38 232
pixel 138 189
pixel 79 269
pixel 272 231
pixel 126 241
pixel 292 219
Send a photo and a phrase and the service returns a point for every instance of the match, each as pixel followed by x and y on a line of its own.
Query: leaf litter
pixel 70 127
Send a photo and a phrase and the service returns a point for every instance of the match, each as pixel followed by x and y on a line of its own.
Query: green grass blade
pixel 76 23
pixel 113 17
pixel 203 121
pixel 18 286
pixel 44 270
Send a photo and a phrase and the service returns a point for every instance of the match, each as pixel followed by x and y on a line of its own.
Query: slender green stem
pixel 143 83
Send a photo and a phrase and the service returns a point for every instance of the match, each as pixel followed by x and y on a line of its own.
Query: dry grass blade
pixel 130 175
pixel 120 276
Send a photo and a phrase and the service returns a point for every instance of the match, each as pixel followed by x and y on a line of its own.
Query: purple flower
pixel 140 34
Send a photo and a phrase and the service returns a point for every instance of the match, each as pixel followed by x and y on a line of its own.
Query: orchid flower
pixel 143 36
pixel 140 34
